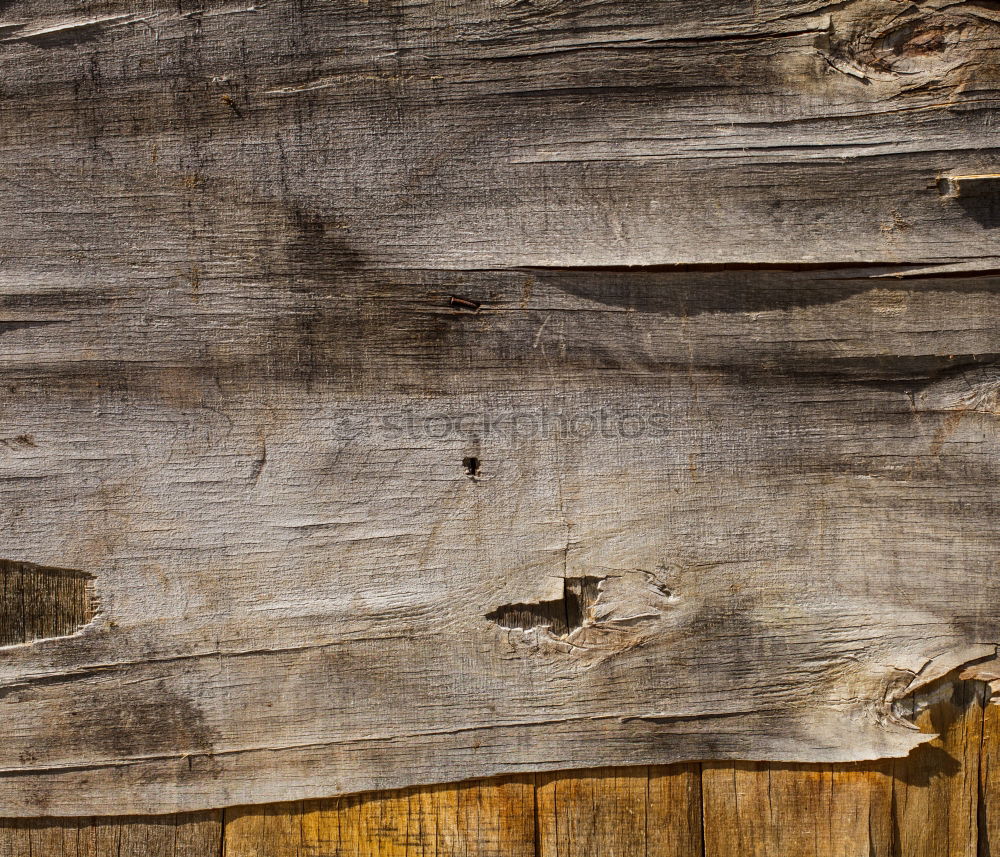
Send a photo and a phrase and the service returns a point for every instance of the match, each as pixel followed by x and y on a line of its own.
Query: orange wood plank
pixel 484 818
pixel 184 835
pixel 768 810
pixel 936 790
pixel 655 812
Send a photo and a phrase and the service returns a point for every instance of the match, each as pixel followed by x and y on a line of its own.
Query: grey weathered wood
pixel 295 569
pixel 387 469
pixel 195 140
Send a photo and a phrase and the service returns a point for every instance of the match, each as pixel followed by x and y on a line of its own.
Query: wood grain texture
pixel 942 800
pixel 922 807
pixel 988 815
pixel 479 818
pixel 495 134
pixel 182 835
pixel 762 809
pixel 938 793
pixel 934 802
pixel 768 529
pixel 391 468
pixel 34 602
pixel 38 602
pixel 654 811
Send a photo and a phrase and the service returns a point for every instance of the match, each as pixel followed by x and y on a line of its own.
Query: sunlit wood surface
pixel 940 802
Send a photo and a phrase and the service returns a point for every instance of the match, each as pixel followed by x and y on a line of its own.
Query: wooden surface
pixel 419 391
pixel 942 801
pixel 222 138
pixel 769 522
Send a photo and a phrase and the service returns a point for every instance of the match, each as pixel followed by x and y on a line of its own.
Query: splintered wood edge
pixel 951 187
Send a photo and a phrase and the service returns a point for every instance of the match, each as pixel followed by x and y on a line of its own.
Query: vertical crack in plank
pixel 653 811
pixel 537 827
pixel 818 810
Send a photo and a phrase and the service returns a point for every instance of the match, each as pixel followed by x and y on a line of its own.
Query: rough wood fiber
pixel 938 793
pixel 923 806
pixel 762 809
pixel 304 590
pixel 805 812
pixel 935 803
pixel 988 805
pixel 38 601
pixel 653 811
pixel 199 139
pixel 755 808
pixel 480 819
pixel 385 472
pixel 795 820
pixel 182 835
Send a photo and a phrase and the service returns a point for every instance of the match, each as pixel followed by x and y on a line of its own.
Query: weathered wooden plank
pixel 765 810
pixel 630 811
pixel 385 466
pixel 989 781
pixel 749 809
pixel 674 812
pixel 37 602
pixel 937 791
pixel 263 831
pixel 180 835
pixel 485 135
pixel 932 803
pixel 608 806
pixel 771 515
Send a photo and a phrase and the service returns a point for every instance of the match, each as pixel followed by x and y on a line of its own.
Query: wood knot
pixel 594 617
pixel 916 46
pixel 872 41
